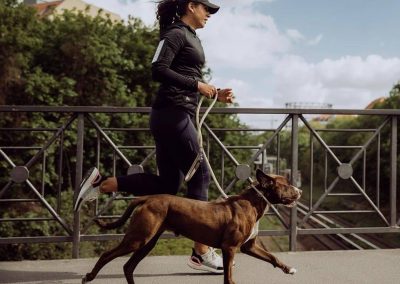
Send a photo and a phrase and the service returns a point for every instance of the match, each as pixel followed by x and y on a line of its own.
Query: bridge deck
pixel 370 266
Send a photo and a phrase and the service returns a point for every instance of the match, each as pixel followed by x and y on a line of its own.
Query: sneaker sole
pixel 85 184
pixel 78 205
pixel 204 268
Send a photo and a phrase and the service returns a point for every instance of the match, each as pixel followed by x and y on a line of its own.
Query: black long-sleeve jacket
pixel 178 64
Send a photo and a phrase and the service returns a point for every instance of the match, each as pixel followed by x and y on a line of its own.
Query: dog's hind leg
pixel 142 229
pixel 253 249
pixel 106 257
pixel 137 256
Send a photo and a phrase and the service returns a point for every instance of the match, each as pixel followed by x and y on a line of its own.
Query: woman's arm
pixel 166 51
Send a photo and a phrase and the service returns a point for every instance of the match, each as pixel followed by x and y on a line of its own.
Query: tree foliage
pixel 375 152
pixel 71 60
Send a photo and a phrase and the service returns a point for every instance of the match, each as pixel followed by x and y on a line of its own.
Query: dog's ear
pixel 264 179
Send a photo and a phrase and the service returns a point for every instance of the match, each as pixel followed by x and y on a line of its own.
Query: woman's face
pixel 200 15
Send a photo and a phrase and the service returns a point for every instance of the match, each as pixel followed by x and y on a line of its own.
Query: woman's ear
pixel 264 179
pixel 191 7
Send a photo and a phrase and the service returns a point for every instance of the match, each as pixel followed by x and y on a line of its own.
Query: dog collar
pixel 262 196
pixel 260 193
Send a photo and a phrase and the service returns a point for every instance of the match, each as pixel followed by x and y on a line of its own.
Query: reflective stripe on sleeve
pixel 158 51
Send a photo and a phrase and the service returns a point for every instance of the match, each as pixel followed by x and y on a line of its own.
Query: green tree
pixel 72 60
pixel 20 39
pixel 360 138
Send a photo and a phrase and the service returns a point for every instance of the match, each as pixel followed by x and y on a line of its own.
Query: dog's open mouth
pixel 289 202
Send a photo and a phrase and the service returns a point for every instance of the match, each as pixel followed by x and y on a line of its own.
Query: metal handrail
pixel 216 110
pixel 293 118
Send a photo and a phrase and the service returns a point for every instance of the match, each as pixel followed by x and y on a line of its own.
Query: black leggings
pixel 176 149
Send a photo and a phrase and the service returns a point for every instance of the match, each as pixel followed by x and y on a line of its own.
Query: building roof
pixel 323 117
pixel 46 8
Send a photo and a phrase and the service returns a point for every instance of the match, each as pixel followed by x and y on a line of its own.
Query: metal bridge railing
pixel 331 171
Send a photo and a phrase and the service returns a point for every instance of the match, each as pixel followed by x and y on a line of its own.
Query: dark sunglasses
pixel 206 8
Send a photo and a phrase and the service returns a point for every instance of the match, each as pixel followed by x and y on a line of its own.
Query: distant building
pixel 51 8
pixel 308 105
pixel 323 119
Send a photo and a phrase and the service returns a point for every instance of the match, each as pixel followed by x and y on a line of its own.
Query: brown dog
pixel 228 224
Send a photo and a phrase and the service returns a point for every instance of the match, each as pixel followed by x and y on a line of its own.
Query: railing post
pixel 294 173
pixel 78 178
pixel 393 173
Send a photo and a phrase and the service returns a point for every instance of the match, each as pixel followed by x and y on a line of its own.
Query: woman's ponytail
pixel 170 11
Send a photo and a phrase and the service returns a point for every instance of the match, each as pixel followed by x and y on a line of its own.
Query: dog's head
pixel 277 189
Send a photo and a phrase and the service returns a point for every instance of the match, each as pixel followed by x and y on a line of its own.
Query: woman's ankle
pixel 200 248
pixel 109 185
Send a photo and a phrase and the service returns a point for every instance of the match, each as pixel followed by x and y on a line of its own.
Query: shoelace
pixel 92 194
pixel 214 255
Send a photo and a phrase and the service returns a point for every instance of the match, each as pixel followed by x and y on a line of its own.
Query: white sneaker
pixel 210 261
pixel 88 191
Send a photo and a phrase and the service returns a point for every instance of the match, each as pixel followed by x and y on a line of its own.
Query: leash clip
pixel 194 167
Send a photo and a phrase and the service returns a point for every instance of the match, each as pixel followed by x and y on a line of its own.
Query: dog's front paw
pixel 289 270
pixel 86 279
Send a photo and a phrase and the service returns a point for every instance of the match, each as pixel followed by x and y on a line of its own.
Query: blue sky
pixel 352 27
pixel 341 52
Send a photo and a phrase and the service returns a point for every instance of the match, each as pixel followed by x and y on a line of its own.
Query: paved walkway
pixel 370 266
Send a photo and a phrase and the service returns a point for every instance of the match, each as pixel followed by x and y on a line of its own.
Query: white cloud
pixel 143 9
pixel 348 82
pixel 373 72
pixel 294 34
pixel 225 4
pixel 315 40
pixel 243 38
pixel 240 40
pixel 297 37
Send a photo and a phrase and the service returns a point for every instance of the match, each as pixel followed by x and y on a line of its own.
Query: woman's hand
pixel 209 91
pixel 225 95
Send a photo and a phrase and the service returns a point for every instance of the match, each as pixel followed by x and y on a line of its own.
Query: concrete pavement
pixel 368 266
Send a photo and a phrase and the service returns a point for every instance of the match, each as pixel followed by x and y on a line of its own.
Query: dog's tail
pixel 121 221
